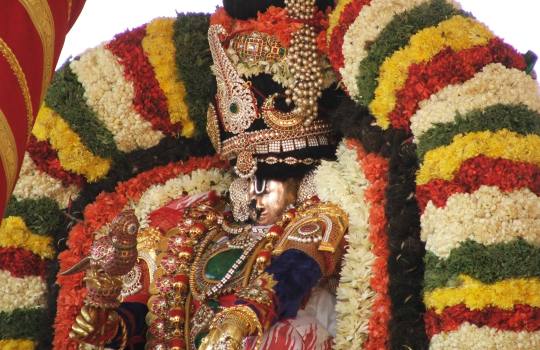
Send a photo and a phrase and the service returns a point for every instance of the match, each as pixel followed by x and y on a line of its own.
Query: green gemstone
pixel 214 304
pixel 233 107
pixel 219 264
pixel 199 338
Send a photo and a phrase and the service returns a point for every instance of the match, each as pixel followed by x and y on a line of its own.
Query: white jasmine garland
pixel 486 216
pixel 367 27
pixel 34 183
pixel 495 84
pixel 471 337
pixel 197 181
pixel 21 293
pixel 343 183
pixel 110 95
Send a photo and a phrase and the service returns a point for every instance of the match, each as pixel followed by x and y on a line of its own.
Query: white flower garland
pixel 195 182
pixel 21 293
pixel 367 27
pixel 493 85
pixel 110 96
pixel 343 183
pixel 34 183
pixel 471 337
pixel 486 216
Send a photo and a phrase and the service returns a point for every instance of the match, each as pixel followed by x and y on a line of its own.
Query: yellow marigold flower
pixel 477 295
pixel 17 344
pixel 15 234
pixel 444 161
pixel 161 52
pixel 72 153
pixel 334 17
pixel 458 33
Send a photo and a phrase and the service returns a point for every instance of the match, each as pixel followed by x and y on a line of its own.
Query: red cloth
pixel 28 30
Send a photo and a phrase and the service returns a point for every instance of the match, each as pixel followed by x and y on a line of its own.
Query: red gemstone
pixel 181 278
pixel 176 344
pixel 265 254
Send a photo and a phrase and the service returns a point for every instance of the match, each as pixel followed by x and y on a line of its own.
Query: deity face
pixel 270 199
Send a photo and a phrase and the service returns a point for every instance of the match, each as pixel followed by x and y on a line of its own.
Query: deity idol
pixel 258 271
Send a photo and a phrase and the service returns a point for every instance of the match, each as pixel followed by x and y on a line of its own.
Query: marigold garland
pixel 15 234
pixel 486 263
pixel 520 318
pixel 395 36
pixel 475 172
pixel 365 29
pixel 149 99
pixel 42 216
pixel 448 67
pixel 457 32
pixel 477 295
pixel 110 95
pixel 96 215
pixel 443 162
pixel 159 48
pixel 495 84
pixel 72 153
pixel 21 262
pixel 471 337
pixel 487 216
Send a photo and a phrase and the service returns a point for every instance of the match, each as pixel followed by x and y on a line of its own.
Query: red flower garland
pixel 102 211
pixel 149 99
pixel 475 172
pixel 376 169
pixel 448 67
pixel 521 318
pixel 21 262
pixel 349 14
pixel 46 160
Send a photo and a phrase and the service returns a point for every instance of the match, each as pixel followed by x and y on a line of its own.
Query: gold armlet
pixel 242 317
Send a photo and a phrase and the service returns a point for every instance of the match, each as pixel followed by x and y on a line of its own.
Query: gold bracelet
pixel 243 317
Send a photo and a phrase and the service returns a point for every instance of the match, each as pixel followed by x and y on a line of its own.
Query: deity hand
pixel 95 325
pixel 230 327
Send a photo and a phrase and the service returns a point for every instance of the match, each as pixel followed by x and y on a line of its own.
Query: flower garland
pixel 444 161
pixel 34 183
pixel 486 216
pixel 471 337
pixel 50 126
pixel 343 182
pixel 46 159
pixel 24 324
pixel 376 172
pixel 495 84
pixel 340 20
pixel 149 100
pixel 17 344
pixel 397 36
pixel 110 95
pixel 477 295
pixel 193 61
pixel 486 263
pixel 15 234
pixel 96 215
pixel 21 292
pixel 520 318
pixel 448 67
pixel 371 20
pixel 159 48
pixel 505 174
pixel 21 263
pixel 457 33
pixel 65 97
